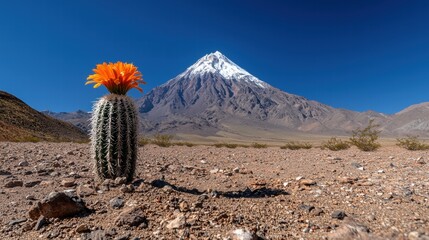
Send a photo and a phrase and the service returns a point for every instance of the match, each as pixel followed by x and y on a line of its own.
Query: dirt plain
pixel 204 192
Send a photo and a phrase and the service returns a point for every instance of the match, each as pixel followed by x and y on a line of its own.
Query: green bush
pixel 296 145
pixel 366 139
pixel 259 145
pixel 162 140
pixel 335 144
pixel 412 143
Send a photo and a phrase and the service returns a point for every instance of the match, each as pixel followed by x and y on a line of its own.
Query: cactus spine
pixel 114 137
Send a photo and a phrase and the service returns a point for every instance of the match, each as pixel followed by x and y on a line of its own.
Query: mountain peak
pixel 217 63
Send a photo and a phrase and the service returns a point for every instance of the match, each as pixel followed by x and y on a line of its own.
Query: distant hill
pixel 20 122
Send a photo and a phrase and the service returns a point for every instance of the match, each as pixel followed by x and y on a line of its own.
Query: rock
pixel 306 208
pixel 95 235
pixel 82 228
pixel 184 206
pixel 32 183
pixel 68 182
pixel 58 157
pixel 338 215
pixel 214 171
pixel 178 222
pixel 347 180
pixel 23 164
pixel 13 183
pixel 116 202
pixel 17 221
pixel 307 182
pixel 351 230
pixel 120 181
pixel 420 160
pixel 84 190
pixel 357 165
pixel 131 217
pixel 4 173
pixel 317 212
pixel 40 223
pixel 236 170
pixel 30 197
pixel 127 188
pixel 57 205
pixel 242 234
pixel 123 237
pixel 380 171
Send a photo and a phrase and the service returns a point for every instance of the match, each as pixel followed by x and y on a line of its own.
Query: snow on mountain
pixel 217 63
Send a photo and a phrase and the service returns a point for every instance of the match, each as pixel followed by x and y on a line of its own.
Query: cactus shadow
pixel 262 192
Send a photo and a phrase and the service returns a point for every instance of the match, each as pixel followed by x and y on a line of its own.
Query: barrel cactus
pixel 114 121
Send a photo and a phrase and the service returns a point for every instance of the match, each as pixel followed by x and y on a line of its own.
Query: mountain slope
pixel 413 120
pixel 215 94
pixel 19 122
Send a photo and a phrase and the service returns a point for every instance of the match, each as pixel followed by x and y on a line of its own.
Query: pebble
pixel 23 164
pixel 31 183
pixel 18 221
pixel 127 188
pixel 178 222
pixel 82 228
pixel 307 182
pixel 338 215
pixel 40 223
pixel 120 180
pixel 13 183
pixel 68 182
pixel 242 234
pixel 116 202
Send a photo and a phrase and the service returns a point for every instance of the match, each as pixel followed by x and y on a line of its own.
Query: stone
pixel 32 183
pixel 184 206
pixel 84 190
pixel 17 221
pixel 13 183
pixel 338 214
pixel 306 208
pixel 242 234
pixel 420 160
pixel 131 217
pixel 307 182
pixel 317 211
pixel 23 164
pixel 351 230
pixel 4 173
pixel 120 181
pixel 83 228
pixel 177 223
pixel 57 205
pixel 30 197
pixel 40 223
pixel 414 235
pixel 347 180
pixel 116 202
pixel 127 188
pixel 68 182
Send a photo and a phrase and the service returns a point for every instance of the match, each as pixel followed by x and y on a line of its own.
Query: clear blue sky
pixel 360 55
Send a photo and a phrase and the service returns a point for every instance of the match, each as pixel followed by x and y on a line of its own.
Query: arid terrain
pixel 204 192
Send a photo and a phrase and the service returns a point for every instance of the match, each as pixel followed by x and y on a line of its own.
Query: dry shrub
pixel 412 143
pixel 188 144
pixel 162 140
pixel 227 145
pixel 296 145
pixel 144 141
pixel 366 139
pixel 335 144
pixel 259 145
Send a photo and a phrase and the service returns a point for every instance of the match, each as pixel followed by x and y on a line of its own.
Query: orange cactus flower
pixel 118 77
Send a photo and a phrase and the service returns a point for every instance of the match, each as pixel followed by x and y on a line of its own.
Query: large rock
pixel 57 205
pixel 131 217
pixel 351 230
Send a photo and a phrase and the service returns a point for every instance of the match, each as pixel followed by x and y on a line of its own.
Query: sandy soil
pixel 204 192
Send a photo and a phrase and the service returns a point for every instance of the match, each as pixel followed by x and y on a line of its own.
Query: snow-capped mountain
pixel 216 97
pixel 215 94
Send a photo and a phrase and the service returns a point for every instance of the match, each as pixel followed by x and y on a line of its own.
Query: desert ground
pixel 204 192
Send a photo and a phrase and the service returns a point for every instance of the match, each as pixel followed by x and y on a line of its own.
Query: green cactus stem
pixel 114 137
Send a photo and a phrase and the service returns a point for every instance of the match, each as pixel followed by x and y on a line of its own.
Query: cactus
pixel 114 121
pixel 114 137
